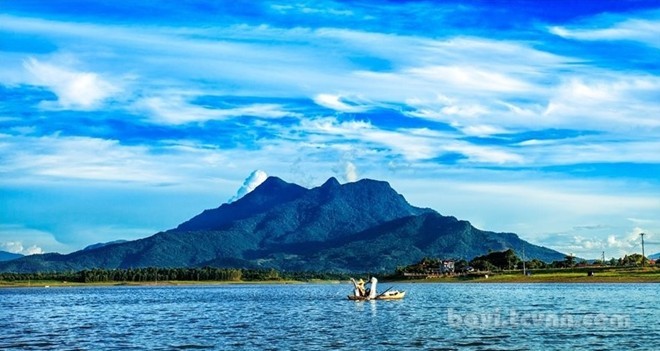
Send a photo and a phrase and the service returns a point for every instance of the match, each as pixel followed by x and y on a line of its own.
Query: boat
pixel 392 295
pixel 362 294
pixel 389 295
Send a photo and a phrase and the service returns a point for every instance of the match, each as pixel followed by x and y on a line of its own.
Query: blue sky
pixel 118 120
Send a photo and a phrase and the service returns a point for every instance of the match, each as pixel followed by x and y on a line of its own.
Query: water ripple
pixel 317 317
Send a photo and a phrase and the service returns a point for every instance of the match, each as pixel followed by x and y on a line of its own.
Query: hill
pixel 8 256
pixel 97 245
pixel 361 226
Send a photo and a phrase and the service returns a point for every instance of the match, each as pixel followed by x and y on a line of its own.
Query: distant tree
pixel 570 260
pixel 483 265
pixel 558 264
pixel 460 265
pixel 497 259
pixel 636 260
pixel 533 264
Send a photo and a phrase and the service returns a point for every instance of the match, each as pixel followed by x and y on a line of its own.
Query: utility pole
pixel 642 235
pixel 602 263
pixel 523 252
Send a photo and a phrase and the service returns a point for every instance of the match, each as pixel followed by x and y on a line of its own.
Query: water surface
pixel 318 317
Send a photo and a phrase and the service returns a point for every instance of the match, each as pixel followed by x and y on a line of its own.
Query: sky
pixel 122 119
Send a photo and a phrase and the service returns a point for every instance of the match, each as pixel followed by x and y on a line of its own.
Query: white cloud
pixel 335 102
pixel 27 241
pixel 412 144
pixel 470 78
pixel 364 135
pixel 350 172
pixel 75 90
pixel 27 158
pixel 175 110
pixel 589 149
pixel 80 158
pixel 327 9
pixel 484 154
pixel 606 102
pixel 641 30
pixel 17 247
pixel 251 182
pixel 482 130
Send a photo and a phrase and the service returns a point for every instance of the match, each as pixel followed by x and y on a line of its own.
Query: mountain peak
pixel 269 193
pixel 273 187
pixel 332 182
pixel 273 180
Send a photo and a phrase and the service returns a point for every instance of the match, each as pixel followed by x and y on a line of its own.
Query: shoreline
pixel 169 283
pixel 575 276
pixel 531 280
pixel 504 279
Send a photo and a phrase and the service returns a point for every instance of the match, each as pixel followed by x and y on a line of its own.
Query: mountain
pixel 97 245
pixel 361 226
pixel 655 256
pixel 8 256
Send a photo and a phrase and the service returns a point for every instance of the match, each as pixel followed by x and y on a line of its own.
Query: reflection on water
pixel 318 317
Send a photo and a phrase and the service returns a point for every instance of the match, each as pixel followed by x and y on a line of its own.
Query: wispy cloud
pixel 338 103
pixel 641 30
pixel 175 110
pixel 74 89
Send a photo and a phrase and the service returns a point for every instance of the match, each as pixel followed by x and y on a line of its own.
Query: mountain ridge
pixel 8 256
pixel 364 225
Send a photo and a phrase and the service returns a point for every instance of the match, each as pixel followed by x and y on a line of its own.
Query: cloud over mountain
pixel 251 182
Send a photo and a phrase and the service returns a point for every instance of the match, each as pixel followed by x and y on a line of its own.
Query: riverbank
pixel 60 284
pixel 578 275
pixel 581 275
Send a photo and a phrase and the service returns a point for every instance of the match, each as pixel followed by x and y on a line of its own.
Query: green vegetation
pixel 506 266
pixel 496 266
pixel 154 275
pixel 496 260
pixel 575 275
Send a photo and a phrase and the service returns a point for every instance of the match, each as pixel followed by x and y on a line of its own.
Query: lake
pixel 319 317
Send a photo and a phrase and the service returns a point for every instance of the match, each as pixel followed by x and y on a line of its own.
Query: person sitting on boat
pixel 359 288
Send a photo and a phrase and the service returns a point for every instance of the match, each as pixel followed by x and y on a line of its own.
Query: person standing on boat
pixel 372 289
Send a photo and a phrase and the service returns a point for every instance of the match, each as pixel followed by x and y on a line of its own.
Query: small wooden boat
pixel 388 295
pixel 391 295
pixel 360 294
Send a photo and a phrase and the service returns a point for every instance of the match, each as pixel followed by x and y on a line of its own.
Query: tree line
pixel 496 261
pixel 154 274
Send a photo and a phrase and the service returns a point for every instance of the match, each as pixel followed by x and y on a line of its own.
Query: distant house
pixel 447 267
pixel 430 268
